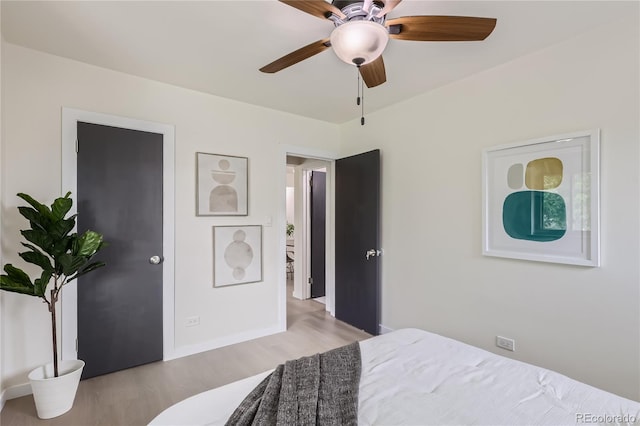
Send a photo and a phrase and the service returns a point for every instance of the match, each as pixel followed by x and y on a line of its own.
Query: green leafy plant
pixel 63 256
pixel 289 229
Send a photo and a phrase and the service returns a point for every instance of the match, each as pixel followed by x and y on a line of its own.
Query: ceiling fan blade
pixel 440 28
pixel 389 5
pixel 297 56
pixel 374 73
pixel 318 8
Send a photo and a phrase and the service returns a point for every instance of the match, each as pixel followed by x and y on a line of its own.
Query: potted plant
pixel 62 256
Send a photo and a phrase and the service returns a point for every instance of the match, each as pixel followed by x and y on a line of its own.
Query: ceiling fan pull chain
pixel 360 99
pixel 358 74
pixel 362 106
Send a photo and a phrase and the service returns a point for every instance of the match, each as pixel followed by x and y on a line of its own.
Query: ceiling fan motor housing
pixel 355 11
pixel 341 4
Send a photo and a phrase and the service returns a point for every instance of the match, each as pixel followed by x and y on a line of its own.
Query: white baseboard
pixel 385 330
pixel 224 341
pixel 14 392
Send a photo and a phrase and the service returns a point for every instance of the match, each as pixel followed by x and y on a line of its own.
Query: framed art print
pixel 221 185
pixel 237 255
pixel 541 199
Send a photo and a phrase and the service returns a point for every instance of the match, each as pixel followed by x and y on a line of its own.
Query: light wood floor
pixel 135 396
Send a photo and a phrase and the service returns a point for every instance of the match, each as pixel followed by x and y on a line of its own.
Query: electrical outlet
pixel 506 343
pixel 191 321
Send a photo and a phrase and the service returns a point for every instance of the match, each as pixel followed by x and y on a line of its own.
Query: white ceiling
pixel 218 46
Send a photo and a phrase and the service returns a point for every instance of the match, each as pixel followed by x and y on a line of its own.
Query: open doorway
pixel 307 211
pixel 352 241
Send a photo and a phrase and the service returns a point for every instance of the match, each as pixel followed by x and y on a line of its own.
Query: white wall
pixel 583 322
pixel 36 86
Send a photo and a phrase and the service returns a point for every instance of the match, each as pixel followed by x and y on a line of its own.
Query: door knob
pixel 373 253
pixel 154 260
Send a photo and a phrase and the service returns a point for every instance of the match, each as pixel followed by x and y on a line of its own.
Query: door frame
pixel 281 223
pixel 69 311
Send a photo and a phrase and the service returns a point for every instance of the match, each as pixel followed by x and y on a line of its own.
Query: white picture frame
pixel 237 255
pixel 221 185
pixel 526 187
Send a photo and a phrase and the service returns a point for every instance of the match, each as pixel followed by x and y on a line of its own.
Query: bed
pixel 414 377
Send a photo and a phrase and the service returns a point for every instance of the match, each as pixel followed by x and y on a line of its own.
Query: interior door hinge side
pixel 76 345
pixel 76 146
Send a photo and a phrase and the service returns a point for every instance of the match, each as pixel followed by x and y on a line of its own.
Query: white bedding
pixel 413 377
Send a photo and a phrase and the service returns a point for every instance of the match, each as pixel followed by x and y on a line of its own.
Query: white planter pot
pixel 54 395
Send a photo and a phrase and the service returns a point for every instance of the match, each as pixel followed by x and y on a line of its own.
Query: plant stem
pixel 52 308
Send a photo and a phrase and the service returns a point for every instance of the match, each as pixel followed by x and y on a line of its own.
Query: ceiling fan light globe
pixel 359 41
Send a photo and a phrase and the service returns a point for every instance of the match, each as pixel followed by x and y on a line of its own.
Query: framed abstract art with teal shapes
pixel 541 199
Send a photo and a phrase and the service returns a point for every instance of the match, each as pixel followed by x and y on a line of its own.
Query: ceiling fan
pixel 362 31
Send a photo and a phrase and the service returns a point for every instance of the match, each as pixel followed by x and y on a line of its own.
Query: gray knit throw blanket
pixel 321 389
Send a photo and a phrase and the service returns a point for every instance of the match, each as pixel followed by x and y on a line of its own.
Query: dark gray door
pixel 318 232
pixel 357 232
pixel 120 196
